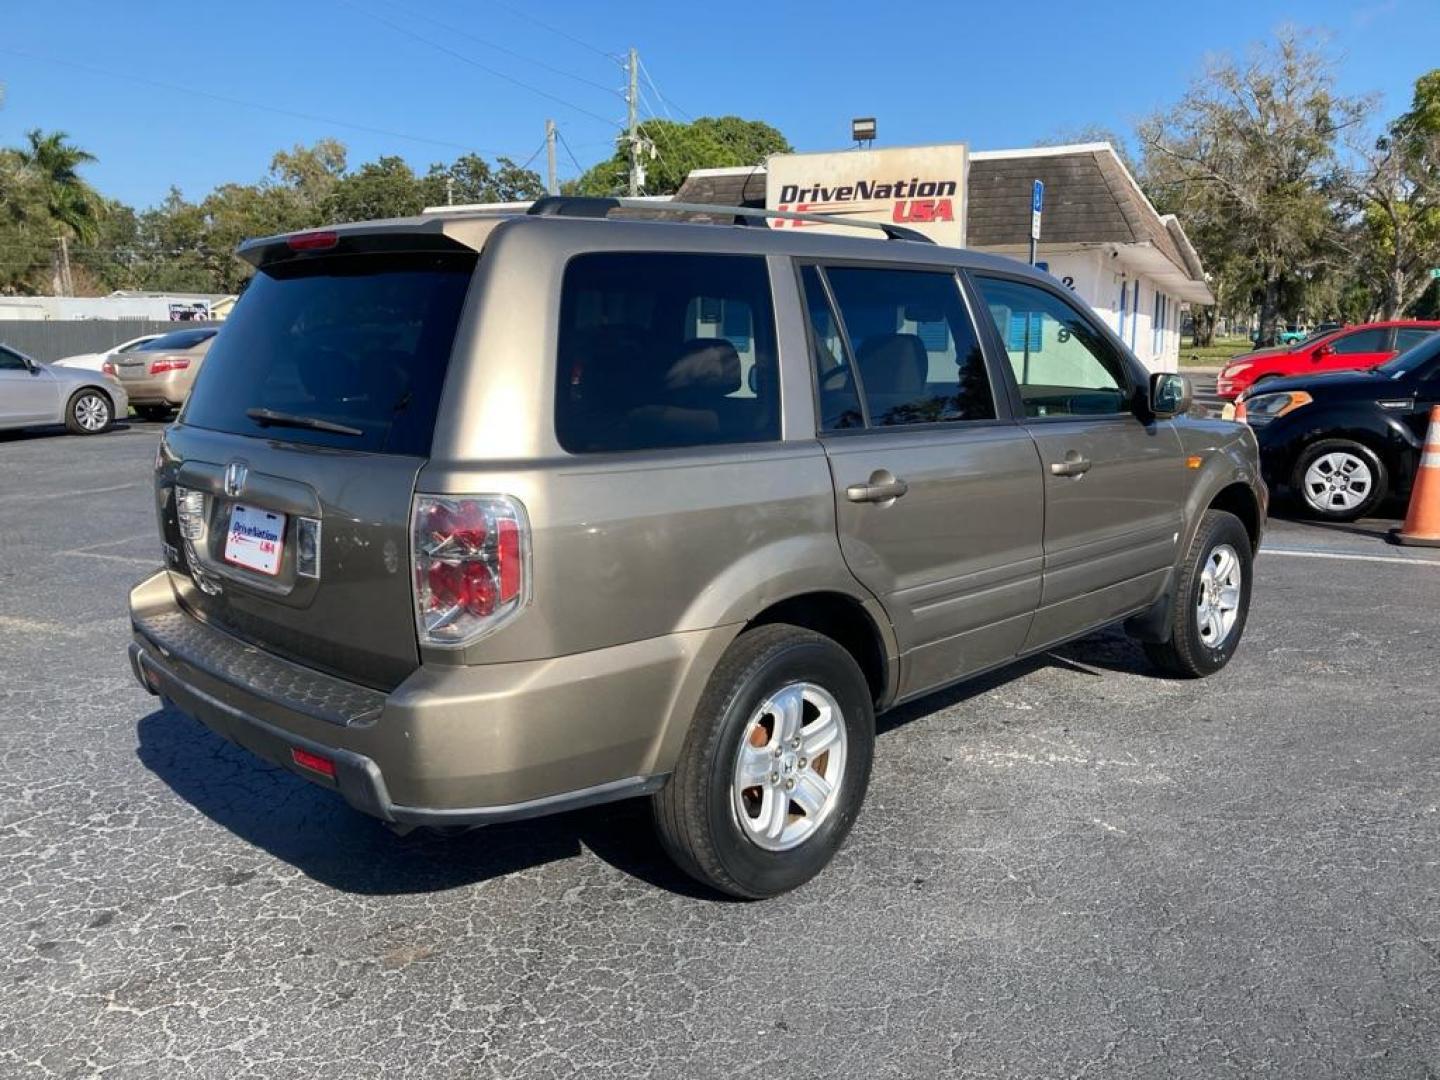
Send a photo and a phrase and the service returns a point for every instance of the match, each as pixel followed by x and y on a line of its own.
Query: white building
pixel 121 304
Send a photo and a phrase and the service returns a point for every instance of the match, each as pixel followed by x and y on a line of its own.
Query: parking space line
pixel 112 558
pixel 1352 556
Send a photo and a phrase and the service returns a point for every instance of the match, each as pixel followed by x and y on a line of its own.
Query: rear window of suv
pixel 359 342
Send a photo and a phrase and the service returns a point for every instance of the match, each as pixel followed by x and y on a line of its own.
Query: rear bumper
pixel 170 388
pixel 449 746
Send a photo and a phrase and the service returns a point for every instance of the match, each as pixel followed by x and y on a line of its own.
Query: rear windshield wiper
pixel 271 418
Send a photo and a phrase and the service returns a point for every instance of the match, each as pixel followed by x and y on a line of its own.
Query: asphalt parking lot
pixel 1072 868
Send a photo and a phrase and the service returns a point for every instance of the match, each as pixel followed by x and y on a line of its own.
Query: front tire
pixel 1211 602
pixel 1339 479
pixel 89 412
pixel 775 766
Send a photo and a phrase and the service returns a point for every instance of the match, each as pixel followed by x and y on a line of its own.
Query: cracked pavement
pixel 1070 868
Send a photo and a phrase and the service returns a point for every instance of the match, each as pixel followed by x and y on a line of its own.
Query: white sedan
pixel 94 361
pixel 32 394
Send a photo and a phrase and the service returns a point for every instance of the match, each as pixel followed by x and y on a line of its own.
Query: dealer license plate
pixel 256 539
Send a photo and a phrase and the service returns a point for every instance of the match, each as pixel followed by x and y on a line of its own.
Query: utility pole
pixel 552 185
pixel 633 134
pixel 449 190
pixel 67 284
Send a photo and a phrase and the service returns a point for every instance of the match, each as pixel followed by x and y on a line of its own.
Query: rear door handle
pixel 883 487
pixel 1075 464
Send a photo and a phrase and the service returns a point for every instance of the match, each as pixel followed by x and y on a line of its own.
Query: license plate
pixel 256 539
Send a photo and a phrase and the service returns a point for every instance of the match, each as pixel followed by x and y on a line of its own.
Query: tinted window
pixel 10 361
pixel 665 350
pixel 1409 338
pixel 1361 342
pixel 917 356
pixel 838 398
pixel 1062 363
pixel 174 342
pixel 358 340
pixel 1415 360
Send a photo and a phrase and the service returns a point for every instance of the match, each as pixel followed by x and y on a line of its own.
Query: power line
pixel 556 30
pixel 573 159
pixel 663 100
pixel 518 56
pixel 400 28
pixel 227 100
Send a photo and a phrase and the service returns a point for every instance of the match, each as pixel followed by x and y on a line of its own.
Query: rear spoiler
pixel 418 234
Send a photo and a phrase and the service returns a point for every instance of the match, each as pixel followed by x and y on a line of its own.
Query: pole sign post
pixel 1037 204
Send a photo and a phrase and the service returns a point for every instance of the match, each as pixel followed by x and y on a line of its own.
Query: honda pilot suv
pixel 473 517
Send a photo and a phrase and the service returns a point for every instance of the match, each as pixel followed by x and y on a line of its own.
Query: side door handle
pixel 883 487
pixel 1075 464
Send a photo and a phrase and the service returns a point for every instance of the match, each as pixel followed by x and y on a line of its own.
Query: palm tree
pixel 74 205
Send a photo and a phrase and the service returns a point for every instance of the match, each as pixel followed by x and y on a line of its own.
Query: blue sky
pixel 994 75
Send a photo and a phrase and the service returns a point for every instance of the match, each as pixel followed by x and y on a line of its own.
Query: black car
pixel 1342 441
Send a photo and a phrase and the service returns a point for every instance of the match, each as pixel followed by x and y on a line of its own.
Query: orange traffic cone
pixel 1422 523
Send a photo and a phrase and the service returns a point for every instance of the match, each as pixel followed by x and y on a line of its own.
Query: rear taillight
pixel 108 368
pixel 170 363
pixel 471 557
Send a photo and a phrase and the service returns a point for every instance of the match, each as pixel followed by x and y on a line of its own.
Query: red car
pixel 1349 348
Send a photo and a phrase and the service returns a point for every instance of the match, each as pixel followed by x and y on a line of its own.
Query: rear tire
pixel 1339 480
pixel 88 412
pixel 1211 602
pixel 778 693
pixel 153 412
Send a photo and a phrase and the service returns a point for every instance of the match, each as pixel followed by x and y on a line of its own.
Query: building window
pixel 1135 316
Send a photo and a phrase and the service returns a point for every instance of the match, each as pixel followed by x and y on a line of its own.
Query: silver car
pixel 33 394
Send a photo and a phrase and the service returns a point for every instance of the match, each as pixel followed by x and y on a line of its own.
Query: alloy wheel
pixel 1217 606
pixel 790 766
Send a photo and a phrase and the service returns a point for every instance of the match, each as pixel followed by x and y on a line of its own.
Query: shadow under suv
pixel 474 517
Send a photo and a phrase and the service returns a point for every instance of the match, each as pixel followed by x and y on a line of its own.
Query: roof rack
pixel 593 207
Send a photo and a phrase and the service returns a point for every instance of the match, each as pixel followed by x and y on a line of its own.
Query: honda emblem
pixel 235 474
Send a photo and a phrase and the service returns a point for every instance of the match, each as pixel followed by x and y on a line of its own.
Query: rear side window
pixel 1409 337
pixel 359 341
pixel 663 350
pixel 917 355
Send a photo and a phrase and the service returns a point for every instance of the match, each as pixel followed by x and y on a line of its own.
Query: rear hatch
pixel 287 488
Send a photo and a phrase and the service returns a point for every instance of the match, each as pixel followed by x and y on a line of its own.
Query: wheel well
pixel 1239 500
pixel 842 619
pixel 106 394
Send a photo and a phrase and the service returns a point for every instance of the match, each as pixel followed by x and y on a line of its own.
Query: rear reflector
pixel 313 762
pixel 312 241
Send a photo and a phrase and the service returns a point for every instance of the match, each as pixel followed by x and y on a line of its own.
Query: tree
pixel 27 238
pixel 1397 192
pixel 1248 159
pixel 73 204
pixel 707 143
pixel 385 188
pixel 471 179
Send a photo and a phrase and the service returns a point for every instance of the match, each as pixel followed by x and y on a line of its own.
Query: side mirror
pixel 1322 351
pixel 1170 394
